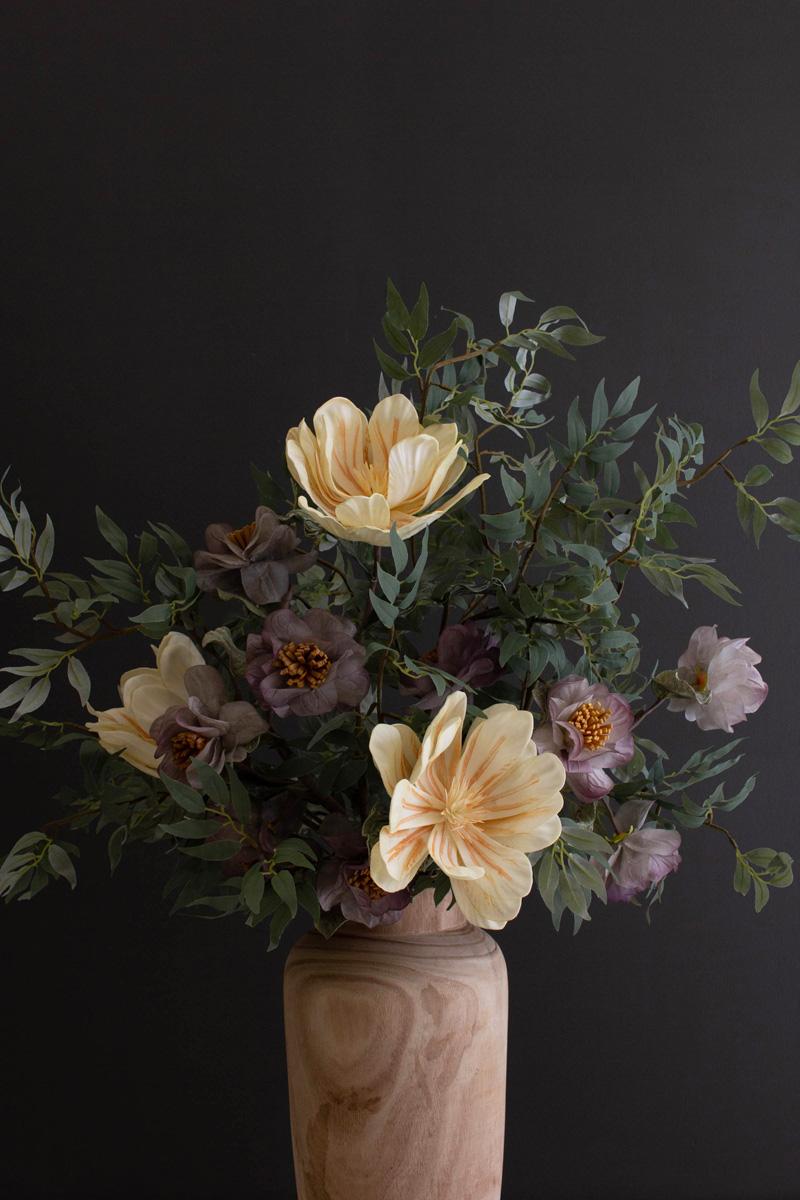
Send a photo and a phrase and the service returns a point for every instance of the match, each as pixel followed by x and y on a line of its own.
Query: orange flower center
pixel 240 537
pixel 701 679
pixel 362 880
pixel 303 664
pixel 185 746
pixel 592 721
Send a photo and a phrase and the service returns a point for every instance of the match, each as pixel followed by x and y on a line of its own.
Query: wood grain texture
pixel 396 1047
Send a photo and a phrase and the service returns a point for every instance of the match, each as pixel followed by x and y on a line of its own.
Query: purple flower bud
pixel 466 651
pixel 644 857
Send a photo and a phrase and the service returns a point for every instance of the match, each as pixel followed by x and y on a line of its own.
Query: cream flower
pixel 477 810
pixel 146 694
pixel 366 475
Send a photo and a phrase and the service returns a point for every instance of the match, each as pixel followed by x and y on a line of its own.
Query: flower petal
pixel 364 513
pixel 341 431
pixel 445 849
pixel 393 419
pixel 413 808
pixel 396 857
pixel 443 735
pixel 175 654
pixel 495 745
pixel 412 464
pixel 496 898
pixel 395 750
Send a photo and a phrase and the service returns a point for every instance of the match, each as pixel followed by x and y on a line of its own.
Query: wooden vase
pixel 396 1048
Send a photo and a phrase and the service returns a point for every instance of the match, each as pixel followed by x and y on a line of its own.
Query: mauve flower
pixel 723 673
pixel 466 651
pixel 345 879
pixel 255 561
pixel 590 729
pixel 644 857
pixel 209 728
pixel 306 665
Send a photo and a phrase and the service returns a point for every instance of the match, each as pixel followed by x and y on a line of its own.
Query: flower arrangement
pixel 412 667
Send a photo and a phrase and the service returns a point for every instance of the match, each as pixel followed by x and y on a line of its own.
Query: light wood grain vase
pixel 396 1046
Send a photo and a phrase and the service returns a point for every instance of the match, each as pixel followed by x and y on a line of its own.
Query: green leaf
pixel 390 366
pixel 14 692
pixel 389 585
pixel 599 407
pixel 508 304
pixel 438 346
pixel 576 335
pixel 296 852
pixel 191 828
pixel 239 795
pixel 45 543
pixel 387 613
pixel 628 429
pixel 741 877
pixel 792 401
pixel 418 321
pixel 62 864
pixel 156 614
pixel 758 402
pixel 547 875
pixel 115 844
pixel 79 678
pixel 283 884
pixel 33 699
pixel 183 795
pixel 253 886
pixel 213 851
pixel 395 307
pixel 626 399
pixel 399 550
pixel 776 449
pixel 111 532
pixel 761 893
pixel 211 782
pixel 757 476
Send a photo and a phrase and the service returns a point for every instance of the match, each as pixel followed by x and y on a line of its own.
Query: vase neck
pixel 421 917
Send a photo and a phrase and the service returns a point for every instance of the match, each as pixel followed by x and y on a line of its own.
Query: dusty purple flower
pixel 345 879
pixel 589 728
pixel 255 561
pixel 466 651
pixel 209 728
pixel 722 672
pixel 644 856
pixel 306 665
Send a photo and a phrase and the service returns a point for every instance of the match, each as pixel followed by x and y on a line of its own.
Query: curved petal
pixel 445 849
pixel 412 464
pixel 443 735
pixel 393 419
pixel 364 513
pixel 413 808
pixel 530 831
pixel 495 744
pixel 394 749
pixel 341 431
pixel 146 699
pixel 396 857
pixel 446 505
pixel 175 654
pixel 496 898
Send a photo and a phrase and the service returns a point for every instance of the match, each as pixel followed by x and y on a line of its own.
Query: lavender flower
pixel 345 878
pixel 209 728
pixel 255 561
pixel 722 673
pixel 590 729
pixel 306 665
pixel 466 651
pixel 644 856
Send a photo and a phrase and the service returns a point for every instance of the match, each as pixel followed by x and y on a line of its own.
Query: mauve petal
pixel 589 786
pixel 285 626
pixel 545 738
pixel 349 678
pixel 208 686
pixel 325 625
pixel 216 537
pixel 330 884
pixel 313 702
pixel 245 724
pixel 265 582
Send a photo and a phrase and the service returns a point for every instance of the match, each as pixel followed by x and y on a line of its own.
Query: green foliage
pixel 583 493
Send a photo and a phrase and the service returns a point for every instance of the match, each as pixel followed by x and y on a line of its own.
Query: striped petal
pixel 496 897
pixel 412 465
pixel 447 851
pixel 393 419
pixel 395 750
pixel 396 857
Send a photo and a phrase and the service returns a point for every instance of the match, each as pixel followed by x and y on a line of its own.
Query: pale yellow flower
pixel 477 810
pixel 146 693
pixel 366 475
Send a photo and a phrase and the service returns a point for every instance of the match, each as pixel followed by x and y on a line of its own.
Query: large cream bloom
pixel 366 475
pixel 146 693
pixel 477 810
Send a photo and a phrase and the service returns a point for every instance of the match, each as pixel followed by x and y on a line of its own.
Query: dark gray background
pixel 202 203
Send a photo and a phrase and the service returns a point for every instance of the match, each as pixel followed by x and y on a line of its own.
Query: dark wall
pixel 202 204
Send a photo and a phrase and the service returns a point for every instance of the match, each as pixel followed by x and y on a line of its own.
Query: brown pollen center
pixel 362 880
pixel 240 537
pixel 592 721
pixel 303 664
pixel 185 746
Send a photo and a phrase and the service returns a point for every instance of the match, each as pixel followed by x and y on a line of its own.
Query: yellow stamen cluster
pixel 185 746
pixel 240 537
pixel 592 721
pixel 362 880
pixel 303 664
